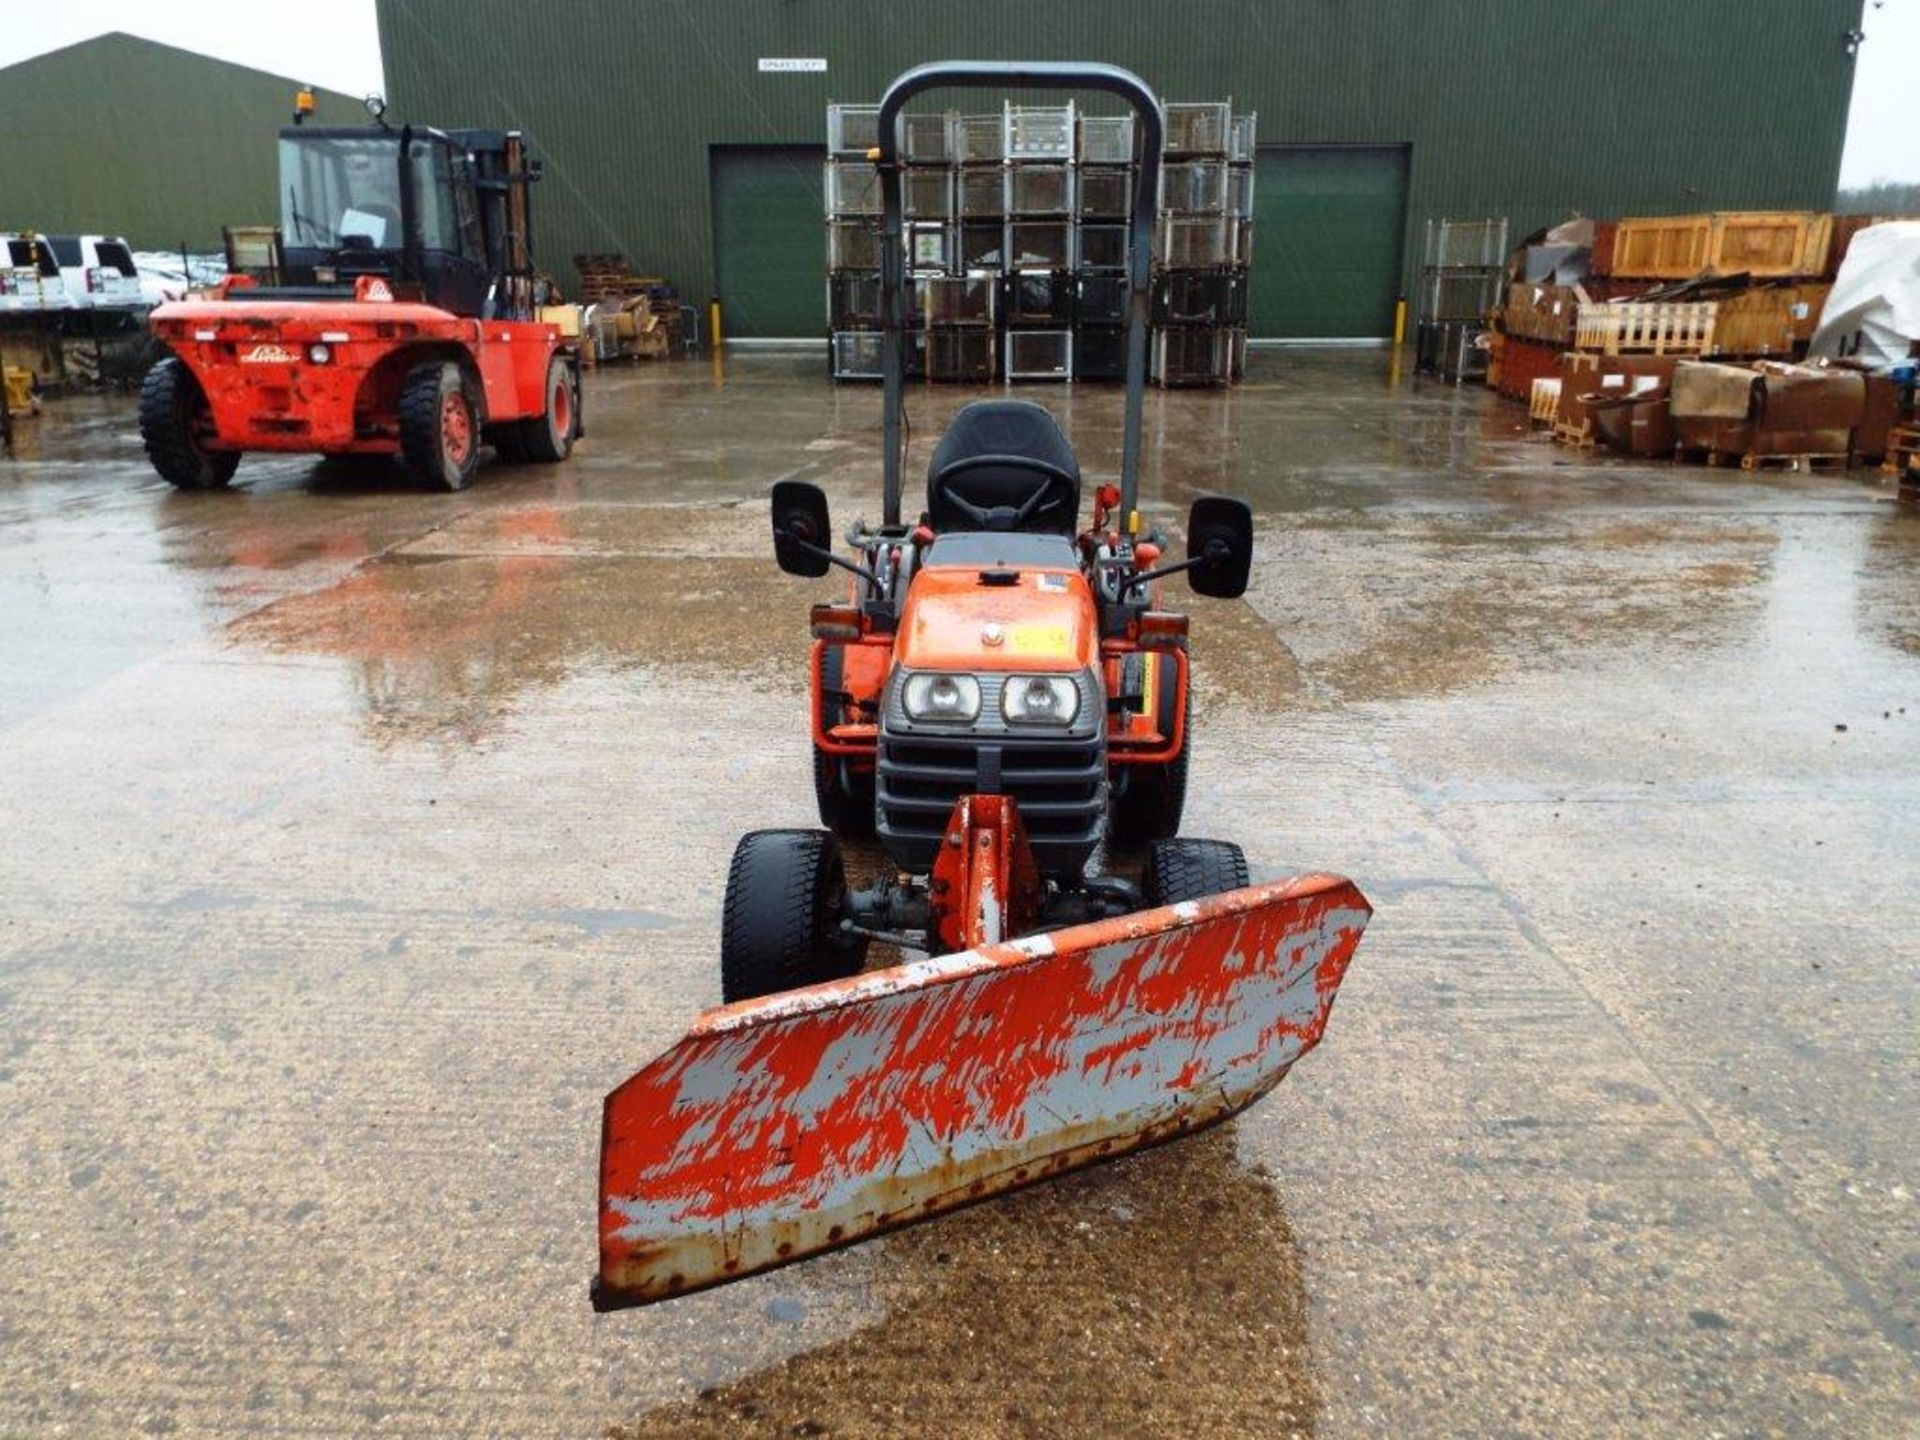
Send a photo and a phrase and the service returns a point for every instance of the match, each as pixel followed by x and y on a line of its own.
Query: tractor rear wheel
pixel 1180 870
pixel 439 425
pixel 780 927
pixel 548 437
pixel 175 425
pixel 1150 805
pixel 844 795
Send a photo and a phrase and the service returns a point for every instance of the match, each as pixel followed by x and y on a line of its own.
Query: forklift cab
pixel 426 209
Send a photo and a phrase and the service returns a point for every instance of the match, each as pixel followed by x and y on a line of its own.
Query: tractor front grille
pixel 1059 784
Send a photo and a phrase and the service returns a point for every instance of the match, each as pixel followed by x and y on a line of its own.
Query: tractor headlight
pixel 319 354
pixel 1040 700
pixel 942 699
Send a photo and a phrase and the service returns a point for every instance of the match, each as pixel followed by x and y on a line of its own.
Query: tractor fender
pixel 379 395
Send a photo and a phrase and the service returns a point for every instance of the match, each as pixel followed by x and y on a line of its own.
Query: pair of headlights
pixel 1024 699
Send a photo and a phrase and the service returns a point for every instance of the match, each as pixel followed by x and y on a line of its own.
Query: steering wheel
pixel 1056 484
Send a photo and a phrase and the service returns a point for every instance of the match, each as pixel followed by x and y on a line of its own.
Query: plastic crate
pixel 853 244
pixel 949 300
pixel 853 188
pixel 1106 140
pixel 960 354
pixel 1194 187
pixel 1040 189
pixel 1039 132
pixel 927 194
pixel 980 139
pixel 1037 297
pixel 1100 353
pixel 1240 192
pixel 1241 141
pixel 1195 242
pixel 983 192
pixel 1039 245
pixel 852 129
pixel 1103 247
pixel 853 299
pixel 1100 300
pixel 1104 194
pixel 1193 297
pixel 930 247
pixel 1193 355
pixel 1039 355
pixel 982 244
pixel 1198 128
pixel 928 139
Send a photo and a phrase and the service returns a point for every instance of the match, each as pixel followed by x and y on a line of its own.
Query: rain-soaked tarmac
pixel 354 840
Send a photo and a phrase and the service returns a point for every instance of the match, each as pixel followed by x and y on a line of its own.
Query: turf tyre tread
pixel 779 927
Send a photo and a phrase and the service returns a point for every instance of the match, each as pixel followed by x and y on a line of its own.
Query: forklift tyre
pixel 845 796
pixel 439 427
pixel 1149 807
pixel 780 928
pixel 548 437
pixel 1180 870
pixel 173 420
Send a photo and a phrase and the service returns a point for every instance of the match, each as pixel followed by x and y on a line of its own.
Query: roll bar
pixel 1016 75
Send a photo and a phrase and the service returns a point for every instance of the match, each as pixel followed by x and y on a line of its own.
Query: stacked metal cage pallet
pixel 1203 246
pixel 1018 244
pixel 1461 275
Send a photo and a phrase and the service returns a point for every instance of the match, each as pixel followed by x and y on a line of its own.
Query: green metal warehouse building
pixel 123 136
pixel 667 141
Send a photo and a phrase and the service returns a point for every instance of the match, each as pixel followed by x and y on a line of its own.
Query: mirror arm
pixel 1148 576
pixel 833 559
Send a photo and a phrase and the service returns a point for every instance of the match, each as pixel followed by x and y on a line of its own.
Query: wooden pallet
pixel 1903 454
pixel 1580 436
pixel 1543 401
pixel 1636 327
pixel 1791 464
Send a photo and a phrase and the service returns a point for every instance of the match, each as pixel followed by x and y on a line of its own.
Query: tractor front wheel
pixel 439 426
pixel 780 928
pixel 176 425
pixel 1180 870
pixel 548 437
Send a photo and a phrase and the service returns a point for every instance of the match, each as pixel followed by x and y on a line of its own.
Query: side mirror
pixel 1220 543
pixel 802 535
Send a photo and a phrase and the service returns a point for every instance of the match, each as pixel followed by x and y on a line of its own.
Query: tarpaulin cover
pixel 1873 311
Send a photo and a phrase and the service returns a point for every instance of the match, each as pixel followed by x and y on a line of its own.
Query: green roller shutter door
pixel 769 239
pixel 1328 223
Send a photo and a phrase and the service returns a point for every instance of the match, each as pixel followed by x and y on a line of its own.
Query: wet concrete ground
pixel 354 840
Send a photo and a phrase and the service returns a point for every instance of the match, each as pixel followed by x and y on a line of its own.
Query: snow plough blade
pixel 781 1127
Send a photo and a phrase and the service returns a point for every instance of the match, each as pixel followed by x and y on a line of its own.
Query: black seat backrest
pixel 1017 430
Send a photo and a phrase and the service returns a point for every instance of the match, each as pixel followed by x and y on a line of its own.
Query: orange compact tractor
pixel 405 324
pixel 1001 700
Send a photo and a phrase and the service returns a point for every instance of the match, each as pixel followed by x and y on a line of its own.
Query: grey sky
pixel 339 48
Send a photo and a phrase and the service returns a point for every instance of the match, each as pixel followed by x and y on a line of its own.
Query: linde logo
pixel 270 355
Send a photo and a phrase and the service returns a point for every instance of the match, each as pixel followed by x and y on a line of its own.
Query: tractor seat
pixel 1004 465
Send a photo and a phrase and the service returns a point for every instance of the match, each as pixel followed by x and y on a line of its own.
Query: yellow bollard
pixel 715 338
pixel 1399 322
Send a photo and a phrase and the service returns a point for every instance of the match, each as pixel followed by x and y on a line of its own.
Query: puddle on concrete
pixel 1159 1295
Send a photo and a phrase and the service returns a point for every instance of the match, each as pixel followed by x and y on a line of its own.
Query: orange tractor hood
pixel 955 620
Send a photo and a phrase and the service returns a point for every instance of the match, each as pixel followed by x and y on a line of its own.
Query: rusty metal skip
pixel 1061 1019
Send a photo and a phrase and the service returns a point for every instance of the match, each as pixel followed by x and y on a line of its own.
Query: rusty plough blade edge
pixel 779 1128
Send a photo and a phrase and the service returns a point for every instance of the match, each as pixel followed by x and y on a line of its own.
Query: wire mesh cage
pixel 928 139
pixel 853 299
pixel 1466 294
pixel 1193 355
pixel 1039 244
pixel 1038 297
pixel 1042 188
pixel 983 192
pixel 1100 353
pixel 852 188
pixel 929 246
pixel 961 354
pixel 980 139
pixel 1194 187
pixel 856 355
pixel 948 300
pixel 1039 354
pixel 1195 242
pixel 1099 300
pixel 928 194
pixel 1240 192
pixel 1190 297
pixel 1241 140
pixel 852 129
pixel 1106 140
pixel 1104 194
pixel 982 244
pixel 1039 132
pixel 853 244
pixel 1102 247
pixel 1478 244
pixel 1198 128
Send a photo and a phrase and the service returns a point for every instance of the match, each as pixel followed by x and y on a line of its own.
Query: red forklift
pixel 403 322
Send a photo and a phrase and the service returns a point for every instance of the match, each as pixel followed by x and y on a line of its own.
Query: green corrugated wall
pixel 123 136
pixel 1527 108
